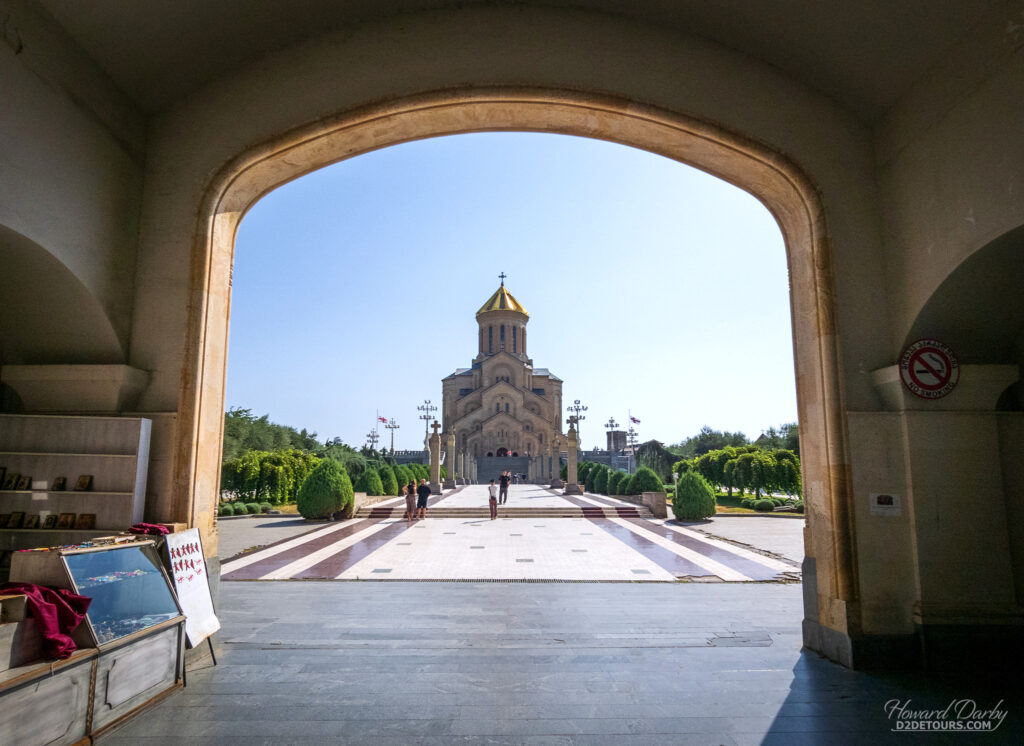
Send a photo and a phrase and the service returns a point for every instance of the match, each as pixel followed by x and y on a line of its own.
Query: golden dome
pixel 502 300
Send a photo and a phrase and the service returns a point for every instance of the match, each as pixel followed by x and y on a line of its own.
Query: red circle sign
pixel 929 369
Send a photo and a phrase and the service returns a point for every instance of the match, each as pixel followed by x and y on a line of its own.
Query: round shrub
pixel 266 507
pixel 225 509
pixel 601 481
pixel 369 482
pixel 646 481
pixel 388 481
pixel 799 506
pixel 694 499
pixel 764 506
pixel 746 502
pixel 326 490
pixel 613 482
pixel 253 508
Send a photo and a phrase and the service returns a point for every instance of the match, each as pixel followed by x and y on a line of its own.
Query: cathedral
pixel 503 412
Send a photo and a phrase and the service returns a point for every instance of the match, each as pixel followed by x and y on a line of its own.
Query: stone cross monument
pixel 554 463
pixel 449 482
pixel 571 486
pixel 435 459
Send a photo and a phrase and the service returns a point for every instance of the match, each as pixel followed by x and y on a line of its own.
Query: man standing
pixel 503 492
pixel 422 493
pixel 492 490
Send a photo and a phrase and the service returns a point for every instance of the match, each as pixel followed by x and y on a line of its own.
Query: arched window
pixel 515 330
pixel 506 406
pixel 490 340
pixel 497 406
pixel 502 337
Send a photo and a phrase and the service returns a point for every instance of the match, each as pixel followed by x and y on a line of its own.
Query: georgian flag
pixel 383 419
pixel 634 420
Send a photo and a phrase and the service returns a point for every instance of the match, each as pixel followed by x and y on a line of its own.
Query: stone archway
pixel 830 573
pixel 502 452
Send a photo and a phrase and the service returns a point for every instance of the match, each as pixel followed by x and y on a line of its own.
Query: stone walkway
pixel 549 664
pixel 536 548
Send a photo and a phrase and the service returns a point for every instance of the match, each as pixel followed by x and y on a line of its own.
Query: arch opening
pixel 778 184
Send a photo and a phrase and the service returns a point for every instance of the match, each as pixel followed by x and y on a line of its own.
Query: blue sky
pixel 651 287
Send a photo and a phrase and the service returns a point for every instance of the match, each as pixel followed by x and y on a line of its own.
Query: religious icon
pixel 11 480
pixel 24 482
pixel 59 484
pixel 50 522
pixel 66 521
pixel 31 521
pixel 84 483
pixel 86 522
pixel 15 520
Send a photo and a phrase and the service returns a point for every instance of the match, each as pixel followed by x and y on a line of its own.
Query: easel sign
pixel 189 575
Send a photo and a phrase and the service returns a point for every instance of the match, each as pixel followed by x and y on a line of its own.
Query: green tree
pixel 402 475
pixel 646 480
pixel 327 490
pixel 656 457
pixel 613 481
pixel 591 478
pixel 628 486
pixel 694 498
pixel 369 482
pixel 388 482
pixel 601 481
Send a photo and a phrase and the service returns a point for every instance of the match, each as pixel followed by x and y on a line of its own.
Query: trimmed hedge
pixel 266 507
pixel 613 482
pixel 388 480
pixel 369 482
pixel 601 481
pixel 591 478
pixel 326 490
pixel 694 499
pixel 225 509
pixel 646 481
pixel 627 486
pixel 764 506
pixel 253 508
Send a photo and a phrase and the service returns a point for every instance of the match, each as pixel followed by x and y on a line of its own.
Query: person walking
pixel 422 492
pixel 503 491
pixel 410 502
pixel 492 490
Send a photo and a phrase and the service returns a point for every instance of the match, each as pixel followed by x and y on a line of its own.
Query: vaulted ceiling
pixel 863 53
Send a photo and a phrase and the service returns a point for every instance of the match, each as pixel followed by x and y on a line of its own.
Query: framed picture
pixel 3 473
pixel 51 521
pixel 5 558
pixel 11 480
pixel 86 522
pixel 84 483
pixel 5 518
pixel 31 521
pixel 59 484
pixel 16 519
pixel 66 520
pixel 24 482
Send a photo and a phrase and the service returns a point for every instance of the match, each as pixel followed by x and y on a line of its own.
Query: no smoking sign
pixel 929 369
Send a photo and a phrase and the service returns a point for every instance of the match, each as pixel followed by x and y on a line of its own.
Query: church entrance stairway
pixel 490 467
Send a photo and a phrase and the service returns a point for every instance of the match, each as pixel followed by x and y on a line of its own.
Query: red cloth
pixel 57 613
pixel 153 529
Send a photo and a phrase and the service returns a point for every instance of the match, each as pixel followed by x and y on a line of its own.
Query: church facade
pixel 503 412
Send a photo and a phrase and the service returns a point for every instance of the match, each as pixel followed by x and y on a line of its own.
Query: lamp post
pixel 611 424
pixel 631 438
pixel 577 408
pixel 371 439
pixel 392 426
pixel 426 408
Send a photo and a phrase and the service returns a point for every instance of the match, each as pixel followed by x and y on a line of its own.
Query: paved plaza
pixel 532 663
pixel 539 664
pixel 600 547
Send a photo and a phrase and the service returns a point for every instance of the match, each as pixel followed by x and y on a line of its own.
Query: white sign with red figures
pixel 188 572
pixel 929 369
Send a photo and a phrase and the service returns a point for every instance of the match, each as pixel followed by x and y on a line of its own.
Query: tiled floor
pixel 532 548
pixel 547 664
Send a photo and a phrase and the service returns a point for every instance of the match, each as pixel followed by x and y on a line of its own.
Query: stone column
pixel 449 483
pixel 571 486
pixel 554 464
pixel 435 460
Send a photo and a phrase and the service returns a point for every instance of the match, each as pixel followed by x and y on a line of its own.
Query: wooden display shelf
pixel 62 492
pixel 67 455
